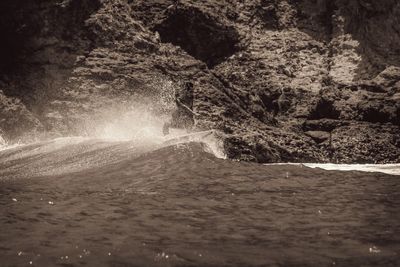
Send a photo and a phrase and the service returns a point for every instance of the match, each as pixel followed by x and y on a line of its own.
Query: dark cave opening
pixel 200 35
pixel 324 109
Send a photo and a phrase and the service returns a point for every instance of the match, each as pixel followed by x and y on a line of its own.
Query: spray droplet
pixel 374 249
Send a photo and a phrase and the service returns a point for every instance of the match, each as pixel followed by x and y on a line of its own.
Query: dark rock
pixel 366 143
pixel 200 34
pixel 324 108
pixel 264 72
pixel 327 125
pixel 389 77
pixel 318 136
pixel 16 122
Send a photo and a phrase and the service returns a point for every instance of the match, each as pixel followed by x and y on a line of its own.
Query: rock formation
pixel 283 80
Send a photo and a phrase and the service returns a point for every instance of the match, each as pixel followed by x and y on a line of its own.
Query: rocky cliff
pixel 283 80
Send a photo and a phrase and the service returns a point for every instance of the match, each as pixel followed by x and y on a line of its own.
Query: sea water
pixel 84 201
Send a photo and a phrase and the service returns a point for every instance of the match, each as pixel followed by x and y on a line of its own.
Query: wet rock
pixel 318 136
pixel 389 77
pixel 326 125
pixel 366 143
pixel 16 122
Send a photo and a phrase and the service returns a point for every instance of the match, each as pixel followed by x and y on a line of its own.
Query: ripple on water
pixel 182 206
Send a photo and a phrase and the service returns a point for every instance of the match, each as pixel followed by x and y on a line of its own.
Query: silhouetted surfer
pixel 183 116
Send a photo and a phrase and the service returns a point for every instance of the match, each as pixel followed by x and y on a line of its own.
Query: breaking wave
pixel 125 195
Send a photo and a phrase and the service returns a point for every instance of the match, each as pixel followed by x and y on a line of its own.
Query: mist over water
pixel 134 126
pixel 119 134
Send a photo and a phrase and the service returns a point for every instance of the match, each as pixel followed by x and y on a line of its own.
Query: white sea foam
pixel 213 142
pixel 393 169
pixel 4 145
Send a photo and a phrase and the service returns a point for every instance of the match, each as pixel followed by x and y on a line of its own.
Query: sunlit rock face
pixel 266 73
pixel 365 38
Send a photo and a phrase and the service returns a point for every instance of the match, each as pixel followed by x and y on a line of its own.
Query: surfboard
pixel 189 137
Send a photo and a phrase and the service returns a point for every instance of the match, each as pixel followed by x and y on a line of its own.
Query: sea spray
pixel 3 142
pixel 142 124
pixel 136 124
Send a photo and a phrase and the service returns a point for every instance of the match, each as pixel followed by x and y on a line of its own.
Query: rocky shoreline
pixel 283 81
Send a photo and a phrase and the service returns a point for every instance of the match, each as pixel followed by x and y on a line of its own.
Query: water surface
pixel 88 202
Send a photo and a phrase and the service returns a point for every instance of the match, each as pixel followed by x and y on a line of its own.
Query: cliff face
pixel 295 80
pixel 40 43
